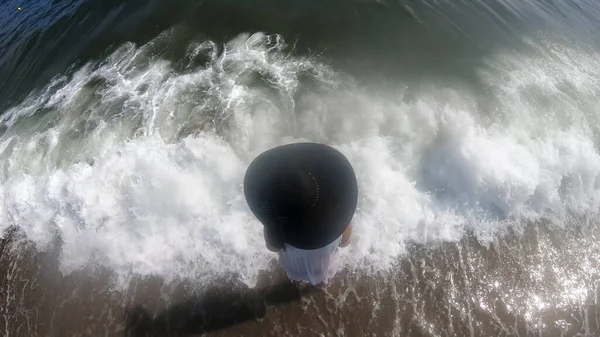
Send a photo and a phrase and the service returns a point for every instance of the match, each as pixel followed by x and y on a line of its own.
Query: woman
pixel 305 195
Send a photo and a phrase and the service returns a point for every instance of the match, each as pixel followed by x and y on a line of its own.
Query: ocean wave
pixel 136 162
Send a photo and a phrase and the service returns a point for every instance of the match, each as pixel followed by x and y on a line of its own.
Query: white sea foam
pixel 137 163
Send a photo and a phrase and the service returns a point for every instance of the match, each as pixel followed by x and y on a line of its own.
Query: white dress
pixel 314 266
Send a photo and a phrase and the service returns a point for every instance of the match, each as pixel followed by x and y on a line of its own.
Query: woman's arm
pixel 346 236
pixel 267 243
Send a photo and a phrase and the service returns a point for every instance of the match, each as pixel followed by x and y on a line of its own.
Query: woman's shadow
pixel 216 308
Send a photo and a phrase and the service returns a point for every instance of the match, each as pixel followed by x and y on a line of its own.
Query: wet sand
pixel 539 283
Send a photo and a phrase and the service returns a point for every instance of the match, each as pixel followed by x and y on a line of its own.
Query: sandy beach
pixel 512 287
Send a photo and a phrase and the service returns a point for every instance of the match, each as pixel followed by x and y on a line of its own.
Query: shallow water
pixel 472 127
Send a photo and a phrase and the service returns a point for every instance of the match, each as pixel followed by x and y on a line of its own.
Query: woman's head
pixel 305 194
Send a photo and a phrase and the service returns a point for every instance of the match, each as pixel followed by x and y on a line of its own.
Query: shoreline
pixel 456 289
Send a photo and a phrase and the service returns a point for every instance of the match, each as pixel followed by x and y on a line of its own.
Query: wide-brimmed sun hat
pixel 306 193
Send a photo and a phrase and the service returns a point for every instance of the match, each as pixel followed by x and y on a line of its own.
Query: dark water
pixel 126 128
pixel 49 37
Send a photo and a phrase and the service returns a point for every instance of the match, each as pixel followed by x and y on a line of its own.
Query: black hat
pixel 305 192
